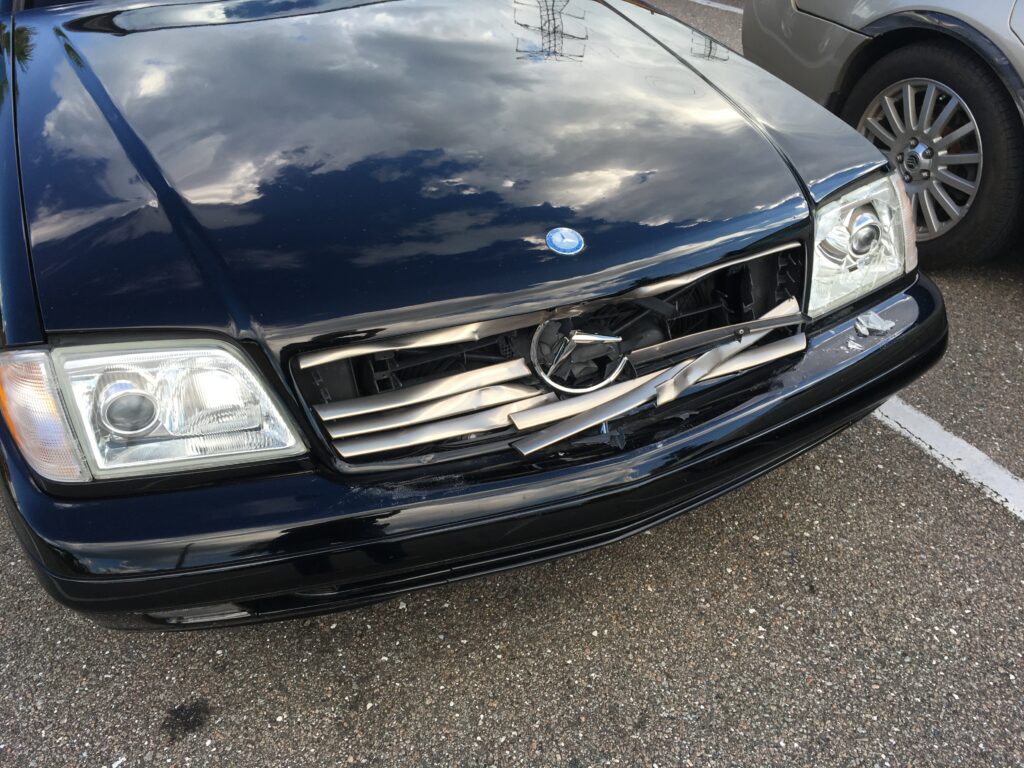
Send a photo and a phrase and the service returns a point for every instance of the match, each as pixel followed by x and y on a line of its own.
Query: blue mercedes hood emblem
pixel 565 241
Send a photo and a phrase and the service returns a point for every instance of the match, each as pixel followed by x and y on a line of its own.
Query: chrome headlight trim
pixel 842 273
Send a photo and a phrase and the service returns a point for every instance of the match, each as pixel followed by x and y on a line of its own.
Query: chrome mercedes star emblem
pixel 564 241
pixel 575 361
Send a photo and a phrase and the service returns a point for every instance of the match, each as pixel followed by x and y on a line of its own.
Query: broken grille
pixel 478 389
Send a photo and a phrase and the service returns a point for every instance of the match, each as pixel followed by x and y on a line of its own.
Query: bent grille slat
pixel 461 333
pixel 563 409
pixel 752 358
pixel 715 336
pixel 744 361
pixel 665 387
pixel 462 393
pixel 421 393
pixel 460 426
pixel 435 410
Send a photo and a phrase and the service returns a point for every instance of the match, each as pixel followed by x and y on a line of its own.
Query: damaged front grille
pixel 528 383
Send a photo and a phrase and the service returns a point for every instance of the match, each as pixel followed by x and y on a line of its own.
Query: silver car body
pixel 822 46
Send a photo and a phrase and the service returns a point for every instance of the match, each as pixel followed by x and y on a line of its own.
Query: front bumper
pixel 271 547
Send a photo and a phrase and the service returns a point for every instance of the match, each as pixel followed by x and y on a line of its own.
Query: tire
pixel 988 221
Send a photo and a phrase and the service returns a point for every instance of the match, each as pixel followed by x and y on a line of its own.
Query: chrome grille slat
pixel 421 393
pixel 569 416
pixel 758 356
pixel 716 335
pixel 666 386
pixel 563 409
pixel 453 335
pixel 479 406
pixel 460 426
pixel 435 410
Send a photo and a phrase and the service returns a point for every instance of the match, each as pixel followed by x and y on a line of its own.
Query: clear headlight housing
pixel 862 241
pixel 141 409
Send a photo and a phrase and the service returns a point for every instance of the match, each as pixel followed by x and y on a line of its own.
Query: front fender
pixel 19 310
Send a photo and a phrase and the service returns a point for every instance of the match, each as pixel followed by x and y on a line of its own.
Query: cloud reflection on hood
pixel 401 133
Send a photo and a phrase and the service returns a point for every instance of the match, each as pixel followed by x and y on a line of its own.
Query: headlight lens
pixel 862 241
pixel 144 409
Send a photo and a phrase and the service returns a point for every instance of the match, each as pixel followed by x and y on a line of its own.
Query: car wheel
pixel 949 127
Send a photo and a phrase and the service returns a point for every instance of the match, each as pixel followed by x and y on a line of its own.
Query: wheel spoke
pixel 944 117
pixel 909 107
pixel 931 96
pixel 954 210
pixel 931 218
pixel 876 128
pixel 956 182
pixel 969 158
pixel 929 132
pixel 890 112
pixel 916 211
pixel 955 136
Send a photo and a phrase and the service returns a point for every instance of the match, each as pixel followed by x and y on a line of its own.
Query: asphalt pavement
pixel 860 606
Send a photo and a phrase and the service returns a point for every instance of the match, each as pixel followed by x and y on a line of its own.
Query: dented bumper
pixel 265 548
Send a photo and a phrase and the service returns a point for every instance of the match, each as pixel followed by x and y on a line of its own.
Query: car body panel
pixel 823 154
pixel 18 309
pixel 983 26
pixel 808 52
pixel 1017 21
pixel 989 17
pixel 331 169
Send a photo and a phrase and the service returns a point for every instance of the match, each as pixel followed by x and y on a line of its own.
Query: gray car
pixel 937 86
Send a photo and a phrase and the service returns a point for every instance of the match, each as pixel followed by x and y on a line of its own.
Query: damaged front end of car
pixel 289 361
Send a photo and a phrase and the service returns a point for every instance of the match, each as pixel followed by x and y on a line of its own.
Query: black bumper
pixel 271 547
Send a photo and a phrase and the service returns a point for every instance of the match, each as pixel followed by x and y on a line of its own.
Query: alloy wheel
pixel 932 138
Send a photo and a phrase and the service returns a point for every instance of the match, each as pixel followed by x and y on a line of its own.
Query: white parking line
pixel 718 6
pixel 997 482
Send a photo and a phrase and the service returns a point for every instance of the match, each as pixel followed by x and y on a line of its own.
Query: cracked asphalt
pixel 860 606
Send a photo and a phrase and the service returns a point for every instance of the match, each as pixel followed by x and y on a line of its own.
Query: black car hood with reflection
pixel 284 169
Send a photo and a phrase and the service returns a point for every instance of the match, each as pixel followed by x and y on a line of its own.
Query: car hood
pixel 293 170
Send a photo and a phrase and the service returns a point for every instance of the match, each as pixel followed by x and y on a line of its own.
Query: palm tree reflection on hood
pixel 21 46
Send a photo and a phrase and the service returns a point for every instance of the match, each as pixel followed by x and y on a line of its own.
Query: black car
pixel 306 303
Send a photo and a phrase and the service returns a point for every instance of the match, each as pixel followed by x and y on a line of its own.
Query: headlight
pixel 139 409
pixel 862 241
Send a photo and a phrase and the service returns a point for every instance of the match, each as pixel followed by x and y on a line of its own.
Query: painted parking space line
pixel 997 482
pixel 718 6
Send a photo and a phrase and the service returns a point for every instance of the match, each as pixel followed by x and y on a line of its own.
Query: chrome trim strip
pixel 479 330
pixel 435 410
pixel 482 421
pixel 421 393
pixel 663 388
